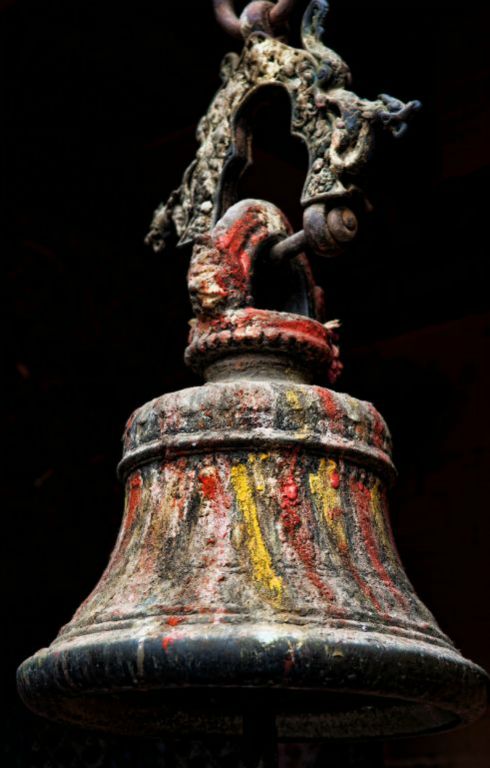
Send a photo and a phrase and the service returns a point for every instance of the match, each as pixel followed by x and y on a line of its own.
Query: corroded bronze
pixel 255 571
pixel 267 14
pixel 336 125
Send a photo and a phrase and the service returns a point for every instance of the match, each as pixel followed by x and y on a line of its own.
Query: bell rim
pixel 438 689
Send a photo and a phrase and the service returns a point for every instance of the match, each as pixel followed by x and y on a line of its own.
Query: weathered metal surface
pixel 336 125
pixel 255 558
pixel 268 16
pixel 222 278
pixel 325 232
pixel 255 570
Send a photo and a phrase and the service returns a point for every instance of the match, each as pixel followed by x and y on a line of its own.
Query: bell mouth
pixel 317 685
pixel 299 716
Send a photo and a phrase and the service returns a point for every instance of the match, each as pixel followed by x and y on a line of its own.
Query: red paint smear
pixel 134 498
pixel 333 411
pixel 255 322
pixel 236 245
pixel 344 552
pixel 365 588
pixel 213 491
pixel 167 642
pixel 298 533
pixel 215 558
pixel 173 621
pixel 209 486
pixel 259 320
pixel 242 235
pixel 363 505
pixel 299 327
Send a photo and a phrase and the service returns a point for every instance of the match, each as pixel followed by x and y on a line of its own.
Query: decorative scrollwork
pixel 336 125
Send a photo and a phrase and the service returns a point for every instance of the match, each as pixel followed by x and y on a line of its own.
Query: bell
pixel 255 569
pixel 255 574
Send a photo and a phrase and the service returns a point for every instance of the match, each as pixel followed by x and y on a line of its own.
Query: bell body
pixel 255 570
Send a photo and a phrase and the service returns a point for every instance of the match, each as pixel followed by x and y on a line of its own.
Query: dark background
pixel 100 103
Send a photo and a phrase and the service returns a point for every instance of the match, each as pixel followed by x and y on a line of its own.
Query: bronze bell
pixel 255 569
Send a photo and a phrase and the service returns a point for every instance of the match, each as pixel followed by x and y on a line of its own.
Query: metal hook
pixel 225 13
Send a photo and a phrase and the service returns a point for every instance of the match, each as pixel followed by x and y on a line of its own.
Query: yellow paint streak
pixel 259 477
pixel 293 399
pixel 321 486
pixel 259 555
pixel 296 404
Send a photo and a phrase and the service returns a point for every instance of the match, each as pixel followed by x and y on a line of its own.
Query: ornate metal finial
pixel 338 129
pixel 336 125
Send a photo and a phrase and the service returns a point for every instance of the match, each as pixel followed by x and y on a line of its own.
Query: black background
pixel 100 103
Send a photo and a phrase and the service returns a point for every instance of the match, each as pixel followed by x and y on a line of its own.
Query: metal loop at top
pixel 281 11
pixel 225 13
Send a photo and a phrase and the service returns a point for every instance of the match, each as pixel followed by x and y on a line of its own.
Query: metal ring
pixel 226 16
pixel 281 11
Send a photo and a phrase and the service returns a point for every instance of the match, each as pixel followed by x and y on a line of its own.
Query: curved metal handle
pixel 226 16
pixel 225 13
pixel 281 11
